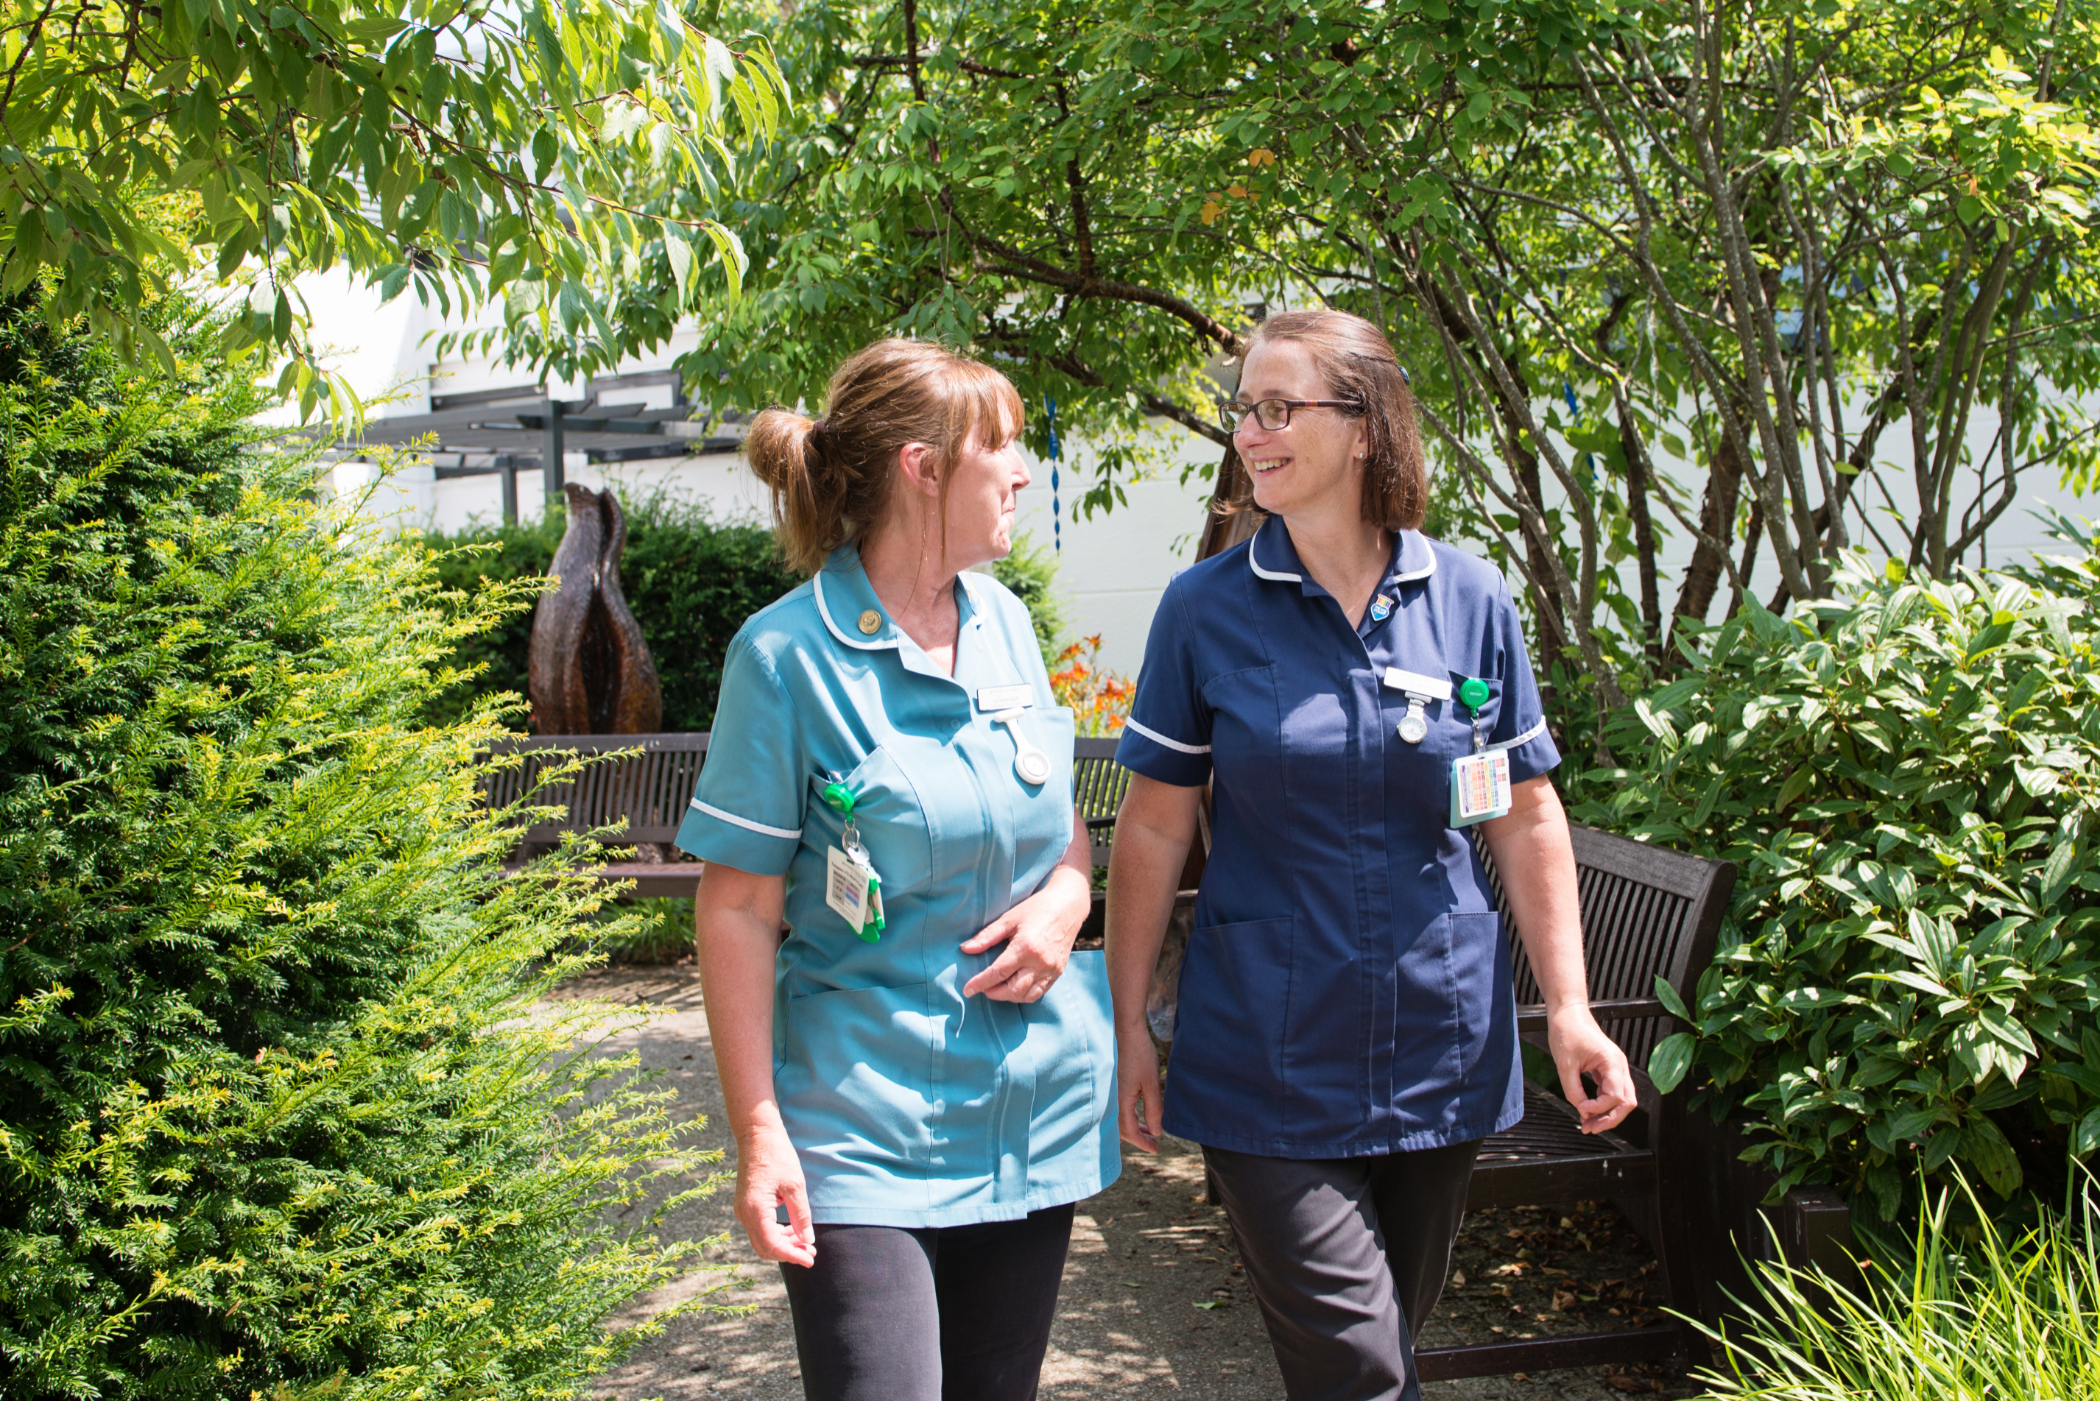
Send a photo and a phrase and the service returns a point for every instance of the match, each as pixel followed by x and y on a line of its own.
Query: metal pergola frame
pixel 479 429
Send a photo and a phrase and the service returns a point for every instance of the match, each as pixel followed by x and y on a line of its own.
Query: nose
pixel 1022 476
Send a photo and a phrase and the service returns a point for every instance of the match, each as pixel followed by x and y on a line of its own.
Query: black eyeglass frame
pixel 1232 420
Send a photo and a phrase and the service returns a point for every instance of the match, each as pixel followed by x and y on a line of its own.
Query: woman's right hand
pixel 768 1177
pixel 1138 1094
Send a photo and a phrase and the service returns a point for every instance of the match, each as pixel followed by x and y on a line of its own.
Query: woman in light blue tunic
pixel 918 1068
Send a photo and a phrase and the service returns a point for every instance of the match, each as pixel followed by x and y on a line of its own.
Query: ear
pixel 917 464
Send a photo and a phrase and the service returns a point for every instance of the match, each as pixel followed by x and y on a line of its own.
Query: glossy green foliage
pixel 281 1112
pixel 467 150
pixel 690 579
pixel 1908 778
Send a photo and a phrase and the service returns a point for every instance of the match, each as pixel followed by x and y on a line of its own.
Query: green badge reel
pixel 851 887
pixel 1480 783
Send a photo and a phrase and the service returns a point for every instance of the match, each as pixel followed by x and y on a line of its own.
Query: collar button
pixel 870 622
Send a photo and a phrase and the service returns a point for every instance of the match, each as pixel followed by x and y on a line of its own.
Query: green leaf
pixel 2086 1137
pixel 1667 995
pixel 1670 1059
pixel 2059 870
pixel 1985 1150
pixel 681 255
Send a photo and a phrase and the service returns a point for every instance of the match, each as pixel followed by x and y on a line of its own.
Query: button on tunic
pixel 908 1104
pixel 1347 986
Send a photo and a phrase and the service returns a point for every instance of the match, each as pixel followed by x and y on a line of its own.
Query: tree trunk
pixel 1553 624
pixel 1643 535
pixel 1724 482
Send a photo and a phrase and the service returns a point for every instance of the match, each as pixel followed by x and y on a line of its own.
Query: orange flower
pixel 1097 697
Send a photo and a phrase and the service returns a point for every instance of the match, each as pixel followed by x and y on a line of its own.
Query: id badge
pixel 1480 787
pixel 854 892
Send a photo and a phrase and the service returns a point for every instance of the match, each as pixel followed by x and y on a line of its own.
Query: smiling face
pixel 1315 464
pixel 984 488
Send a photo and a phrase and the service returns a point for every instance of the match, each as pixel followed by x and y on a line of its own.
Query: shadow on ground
pixel 1154 1302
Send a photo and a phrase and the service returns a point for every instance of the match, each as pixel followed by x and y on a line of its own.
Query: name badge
pixel 995 698
pixel 1416 684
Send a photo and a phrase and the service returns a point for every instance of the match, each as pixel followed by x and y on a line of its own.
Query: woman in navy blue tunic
pixel 1357 695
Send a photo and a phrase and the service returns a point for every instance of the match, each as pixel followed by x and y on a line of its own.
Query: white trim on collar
pixel 1414 574
pixel 865 644
pixel 1281 578
pixel 1174 744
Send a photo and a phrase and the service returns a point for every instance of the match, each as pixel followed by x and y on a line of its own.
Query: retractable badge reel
pixel 1480 786
pixel 851 887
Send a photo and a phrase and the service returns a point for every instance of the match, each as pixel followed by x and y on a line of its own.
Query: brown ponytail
pixel 831 477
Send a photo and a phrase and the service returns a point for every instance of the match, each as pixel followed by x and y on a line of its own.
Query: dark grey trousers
pixel 957 1313
pixel 1347 1257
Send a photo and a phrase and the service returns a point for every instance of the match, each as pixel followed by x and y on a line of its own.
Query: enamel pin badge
pixel 1381 608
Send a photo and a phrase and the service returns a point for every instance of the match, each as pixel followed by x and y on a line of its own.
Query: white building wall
pixel 1113 566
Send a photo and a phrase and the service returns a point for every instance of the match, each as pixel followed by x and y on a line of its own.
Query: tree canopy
pixel 464 148
pixel 1728 273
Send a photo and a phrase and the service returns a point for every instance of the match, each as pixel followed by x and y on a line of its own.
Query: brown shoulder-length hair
pixel 1357 363
pixel 831 477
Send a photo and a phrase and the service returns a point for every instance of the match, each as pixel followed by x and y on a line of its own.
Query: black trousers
pixel 1347 1257
pixel 954 1313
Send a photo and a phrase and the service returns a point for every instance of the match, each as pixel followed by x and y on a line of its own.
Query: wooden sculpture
pixel 588 670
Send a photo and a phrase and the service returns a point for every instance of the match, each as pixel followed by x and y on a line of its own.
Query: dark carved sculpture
pixel 589 670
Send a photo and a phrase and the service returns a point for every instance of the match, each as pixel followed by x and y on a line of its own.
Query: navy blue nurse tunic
pixel 1347 986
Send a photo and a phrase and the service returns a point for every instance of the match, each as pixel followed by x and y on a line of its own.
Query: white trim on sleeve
pixel 1527 737
pixel 1157 738
pixel 746 823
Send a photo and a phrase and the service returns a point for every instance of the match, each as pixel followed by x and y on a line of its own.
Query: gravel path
pixel 1153 1303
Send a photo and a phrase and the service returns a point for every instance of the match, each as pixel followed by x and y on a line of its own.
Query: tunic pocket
pixel 1227 1062
pixel 850 1076
pixel 890 817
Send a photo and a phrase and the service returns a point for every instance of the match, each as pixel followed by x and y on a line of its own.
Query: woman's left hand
pixel 1038 935
pixel 1580 1048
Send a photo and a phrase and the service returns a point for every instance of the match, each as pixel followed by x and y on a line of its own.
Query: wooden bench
pixel 1646 912
pixel 647 791
pixel 1098 785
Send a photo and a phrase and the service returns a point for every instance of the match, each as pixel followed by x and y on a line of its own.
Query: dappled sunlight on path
pixel 1154 1303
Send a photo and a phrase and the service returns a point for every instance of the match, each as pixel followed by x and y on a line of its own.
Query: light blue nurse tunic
pixel 908 1104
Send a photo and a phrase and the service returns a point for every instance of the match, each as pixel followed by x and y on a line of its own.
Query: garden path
pixel 1153 1304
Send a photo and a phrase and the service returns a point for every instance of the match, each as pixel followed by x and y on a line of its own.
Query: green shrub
pixel 1906 777
pixel 281 1114
pixel 1962 1314
pixel 690 579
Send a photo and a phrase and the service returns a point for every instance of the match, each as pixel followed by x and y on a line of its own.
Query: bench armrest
pixel 1531 1017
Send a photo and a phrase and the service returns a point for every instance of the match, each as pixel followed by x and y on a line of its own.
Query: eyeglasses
pixel 1273 414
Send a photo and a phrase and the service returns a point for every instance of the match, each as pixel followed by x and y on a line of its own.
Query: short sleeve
pixel 1520 727
pixel 1168 734
pixel 747 808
